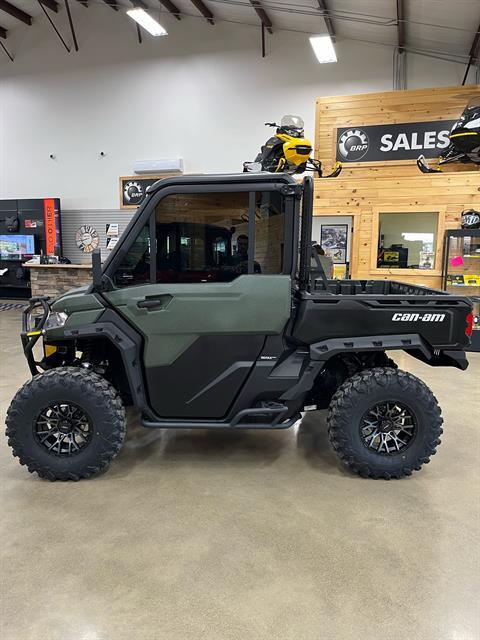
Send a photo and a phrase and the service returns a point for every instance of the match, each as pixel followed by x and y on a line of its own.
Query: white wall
pixel 202 93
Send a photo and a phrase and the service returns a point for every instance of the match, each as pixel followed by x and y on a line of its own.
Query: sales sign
pixel 387 142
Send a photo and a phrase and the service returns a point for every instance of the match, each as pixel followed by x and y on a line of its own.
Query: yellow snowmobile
pixel 288 151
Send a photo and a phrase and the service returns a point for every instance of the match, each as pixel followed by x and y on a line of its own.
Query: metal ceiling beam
pixel 472 54
pixel 322 5
pixel 53 26
pixel 204 10
pixel 15 12
pixel 51 4
pixel 262 14
pixel 3 32
pixel 6 51
pixel 72 28
pixel 400 26
pixel 112 4
pixel 172 8
pixel 166 3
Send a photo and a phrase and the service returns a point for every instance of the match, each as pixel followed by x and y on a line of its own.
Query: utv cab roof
pixel 221 178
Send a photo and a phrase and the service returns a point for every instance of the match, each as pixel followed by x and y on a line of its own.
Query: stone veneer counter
pixel 55 279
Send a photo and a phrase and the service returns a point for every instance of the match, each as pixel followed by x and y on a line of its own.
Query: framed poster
pixel 334 240
pixel 133 189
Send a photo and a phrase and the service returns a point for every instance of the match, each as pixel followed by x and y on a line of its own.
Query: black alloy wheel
pixel 388 428
pixel 63 428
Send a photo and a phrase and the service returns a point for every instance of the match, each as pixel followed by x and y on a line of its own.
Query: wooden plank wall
pixel 363 189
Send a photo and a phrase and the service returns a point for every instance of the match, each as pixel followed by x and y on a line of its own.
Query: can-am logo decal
pixel 353 144
pixel 383 142
pixel 417 317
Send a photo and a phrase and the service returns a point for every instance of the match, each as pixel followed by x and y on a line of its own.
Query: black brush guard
pixel 32 329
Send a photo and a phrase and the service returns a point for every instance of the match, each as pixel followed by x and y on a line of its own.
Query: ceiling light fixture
pixel 147 22
pixel 323 48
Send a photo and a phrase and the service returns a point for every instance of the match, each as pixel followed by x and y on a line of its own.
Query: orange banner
pixel 49 221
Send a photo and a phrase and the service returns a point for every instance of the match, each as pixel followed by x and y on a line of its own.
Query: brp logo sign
pixel 353 144
pixel 133 192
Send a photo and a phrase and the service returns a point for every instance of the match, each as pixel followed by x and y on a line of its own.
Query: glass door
pixel 462 271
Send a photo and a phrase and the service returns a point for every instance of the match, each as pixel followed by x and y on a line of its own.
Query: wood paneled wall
pixel 365 189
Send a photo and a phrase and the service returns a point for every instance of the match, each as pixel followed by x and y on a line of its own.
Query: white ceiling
pixel 447 27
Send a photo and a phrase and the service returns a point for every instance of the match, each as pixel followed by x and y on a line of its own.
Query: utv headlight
pixel 56 319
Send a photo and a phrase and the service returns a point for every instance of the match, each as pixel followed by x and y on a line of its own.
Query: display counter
pixel 55 279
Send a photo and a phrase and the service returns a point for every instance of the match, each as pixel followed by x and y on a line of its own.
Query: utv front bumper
pixel 32 328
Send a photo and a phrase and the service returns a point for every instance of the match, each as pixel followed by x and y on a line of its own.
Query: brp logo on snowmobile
pixel 353 144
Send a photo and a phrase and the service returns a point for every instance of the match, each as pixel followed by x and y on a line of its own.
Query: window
pixel 269 231
pixel 135 266
pixel 407 240
pixel 206 237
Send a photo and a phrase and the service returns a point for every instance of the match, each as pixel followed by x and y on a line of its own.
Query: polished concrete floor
pixel 252 535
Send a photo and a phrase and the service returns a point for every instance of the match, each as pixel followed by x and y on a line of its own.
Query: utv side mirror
pixel 97 269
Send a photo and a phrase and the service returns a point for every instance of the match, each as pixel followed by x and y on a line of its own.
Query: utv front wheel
pixel 384 423
pixel 66 424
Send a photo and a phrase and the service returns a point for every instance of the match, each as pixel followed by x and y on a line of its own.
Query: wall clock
pixel 86 238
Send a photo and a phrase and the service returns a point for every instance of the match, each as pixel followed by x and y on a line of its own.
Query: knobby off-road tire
pixel 389 363
pixel 66 424
pixel 408 418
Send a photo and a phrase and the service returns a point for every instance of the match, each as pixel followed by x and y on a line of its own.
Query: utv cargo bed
pixel 378 288
pixel 378 309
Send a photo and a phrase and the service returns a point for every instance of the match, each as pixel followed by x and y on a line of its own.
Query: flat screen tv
pixel 16 247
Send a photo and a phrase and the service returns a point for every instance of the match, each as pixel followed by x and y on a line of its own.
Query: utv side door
pixel 205 277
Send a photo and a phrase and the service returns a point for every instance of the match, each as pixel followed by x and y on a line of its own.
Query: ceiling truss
pixel 15 12
pixel 171 8
pixel 204 10
pixel 262 14
pixel 326 8
pixel 322 5
pixel 473 54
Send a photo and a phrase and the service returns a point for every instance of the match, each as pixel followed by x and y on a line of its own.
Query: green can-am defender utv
pixel 209 314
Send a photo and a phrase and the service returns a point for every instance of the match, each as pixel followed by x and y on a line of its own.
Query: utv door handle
pixel 154 303
pixel 150 304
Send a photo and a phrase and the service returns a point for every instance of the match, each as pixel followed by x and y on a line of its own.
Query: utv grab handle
pixel 97 270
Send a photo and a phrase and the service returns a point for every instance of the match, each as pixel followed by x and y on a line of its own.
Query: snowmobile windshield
pixel 474 102
pixel 292 122
pixel 470 118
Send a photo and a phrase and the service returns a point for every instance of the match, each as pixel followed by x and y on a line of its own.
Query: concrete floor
pixel 259 535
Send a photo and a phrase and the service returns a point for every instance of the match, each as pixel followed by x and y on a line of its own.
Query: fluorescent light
pixel 323 48
pixel 147 22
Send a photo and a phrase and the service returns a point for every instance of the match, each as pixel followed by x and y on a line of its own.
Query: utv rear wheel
pixel 66 424
pixel 384 423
